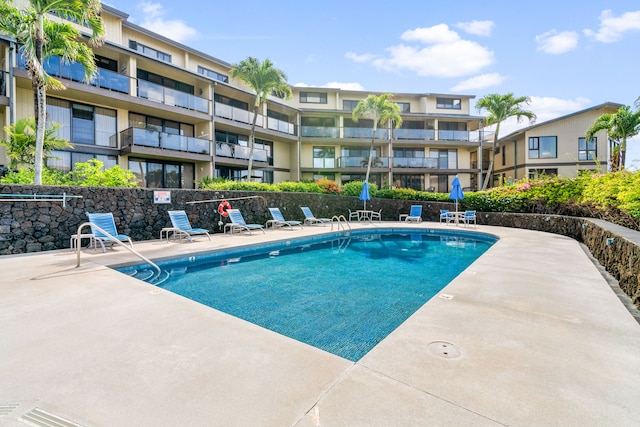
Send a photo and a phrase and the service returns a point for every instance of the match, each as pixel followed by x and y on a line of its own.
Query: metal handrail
pixel 139 255
pixel 340 219
pixel 35 197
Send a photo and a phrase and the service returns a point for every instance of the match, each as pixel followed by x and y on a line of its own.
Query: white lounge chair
pixel 238 223
pixel 279 221
pixel 415 214
pixel 182 226
pixel 103 228
pixel 309 219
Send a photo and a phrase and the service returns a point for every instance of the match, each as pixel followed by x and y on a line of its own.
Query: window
pixel 213 74
pixel 535 173
pixel 587 150
pixel 149 51
pixel 165 81
pixel 543 147
pixel 160 125
pixel 83 124
pixel 230 102
pixel 324 157
pixel 348 105
pixel 153 174
pixel 66 160
pixel 313 97
pixel 504 156
pixel 405 107
pixel 324 122
pixel 449 103
pixel 447 159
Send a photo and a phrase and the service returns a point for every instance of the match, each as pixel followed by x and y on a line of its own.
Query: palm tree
pixel 380 109
pixel 623 124
pixel 21 146
pixel 264 79
pixel 40 37
pixel 500 108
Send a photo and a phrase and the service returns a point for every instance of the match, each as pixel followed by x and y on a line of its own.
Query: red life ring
pixel 222 208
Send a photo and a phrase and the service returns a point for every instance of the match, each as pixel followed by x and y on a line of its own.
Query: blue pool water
pixel 342 293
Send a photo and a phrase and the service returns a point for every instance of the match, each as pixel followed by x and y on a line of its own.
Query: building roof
pixel 595 107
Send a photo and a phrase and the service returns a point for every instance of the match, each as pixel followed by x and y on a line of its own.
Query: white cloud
pixel 365 57
pixel 556 43
pixel 446 54
pixel 437 34
pixel 613 27
pixel 479 82
pixel 335 85
pixel 478 28
pixel 174 29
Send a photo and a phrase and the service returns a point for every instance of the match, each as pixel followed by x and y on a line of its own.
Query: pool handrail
pixel 130 249
pixel 340 220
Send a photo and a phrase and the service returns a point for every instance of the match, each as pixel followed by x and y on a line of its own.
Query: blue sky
pixel 565 55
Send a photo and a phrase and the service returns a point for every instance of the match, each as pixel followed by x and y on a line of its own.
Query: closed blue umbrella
pixel 364 194
pixel 456 191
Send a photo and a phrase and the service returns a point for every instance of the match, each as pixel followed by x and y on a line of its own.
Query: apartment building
pixel 554 147
pixel 173 116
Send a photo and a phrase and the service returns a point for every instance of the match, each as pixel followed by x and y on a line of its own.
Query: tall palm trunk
pixel 491 158
pixel 373 138
pixel 40 103
pixel 252 137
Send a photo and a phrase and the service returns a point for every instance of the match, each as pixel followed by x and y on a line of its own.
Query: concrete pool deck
pixel 530 334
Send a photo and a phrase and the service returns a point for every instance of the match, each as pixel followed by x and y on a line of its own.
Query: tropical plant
pixel 380 109
pixel 264 79
pixel 621 125
pixel 21 144
pixel 40 37
pixel 92 174
pixel 500 108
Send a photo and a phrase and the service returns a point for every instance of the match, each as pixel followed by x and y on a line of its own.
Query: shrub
pixel 91 174
pixel 299 187
pixel 354 188
pixel 26 176
pixel 328 186
pixel 228 185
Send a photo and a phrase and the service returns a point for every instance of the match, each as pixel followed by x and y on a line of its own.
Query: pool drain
pixel 444 349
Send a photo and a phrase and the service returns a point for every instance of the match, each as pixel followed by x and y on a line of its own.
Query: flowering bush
pixel 328 186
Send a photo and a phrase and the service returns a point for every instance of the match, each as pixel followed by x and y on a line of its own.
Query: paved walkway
pixel 529 335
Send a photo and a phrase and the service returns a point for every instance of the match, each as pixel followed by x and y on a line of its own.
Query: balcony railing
pixel 166 141
pixel 237 114
pixel 105 79
pixel 281 126
pixel 365 133
pixel 320 132
pixel 168 96
pixel 428 134
pixel 235 151
pixel 453 135
pixel 415 162
pixel 361 162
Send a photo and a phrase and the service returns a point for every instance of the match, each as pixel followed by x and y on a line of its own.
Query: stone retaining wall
pixel 33 226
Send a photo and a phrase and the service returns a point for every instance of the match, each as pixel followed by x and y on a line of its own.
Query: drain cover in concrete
pixel 444 349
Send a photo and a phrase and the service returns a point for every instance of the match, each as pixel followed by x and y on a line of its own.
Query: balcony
pixel 362 162
pixel 164 95
pixel 166 141
pixel 418 134
pixel 453 135
pixel 105 79
pixel 415 162
pixel 281 126
pixel 366 133
pixel 321 132
pixel 236 114
pixel 236 151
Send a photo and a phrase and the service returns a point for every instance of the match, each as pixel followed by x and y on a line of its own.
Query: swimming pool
pixel 342 292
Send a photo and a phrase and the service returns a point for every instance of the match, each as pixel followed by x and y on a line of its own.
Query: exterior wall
pixel 567 129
